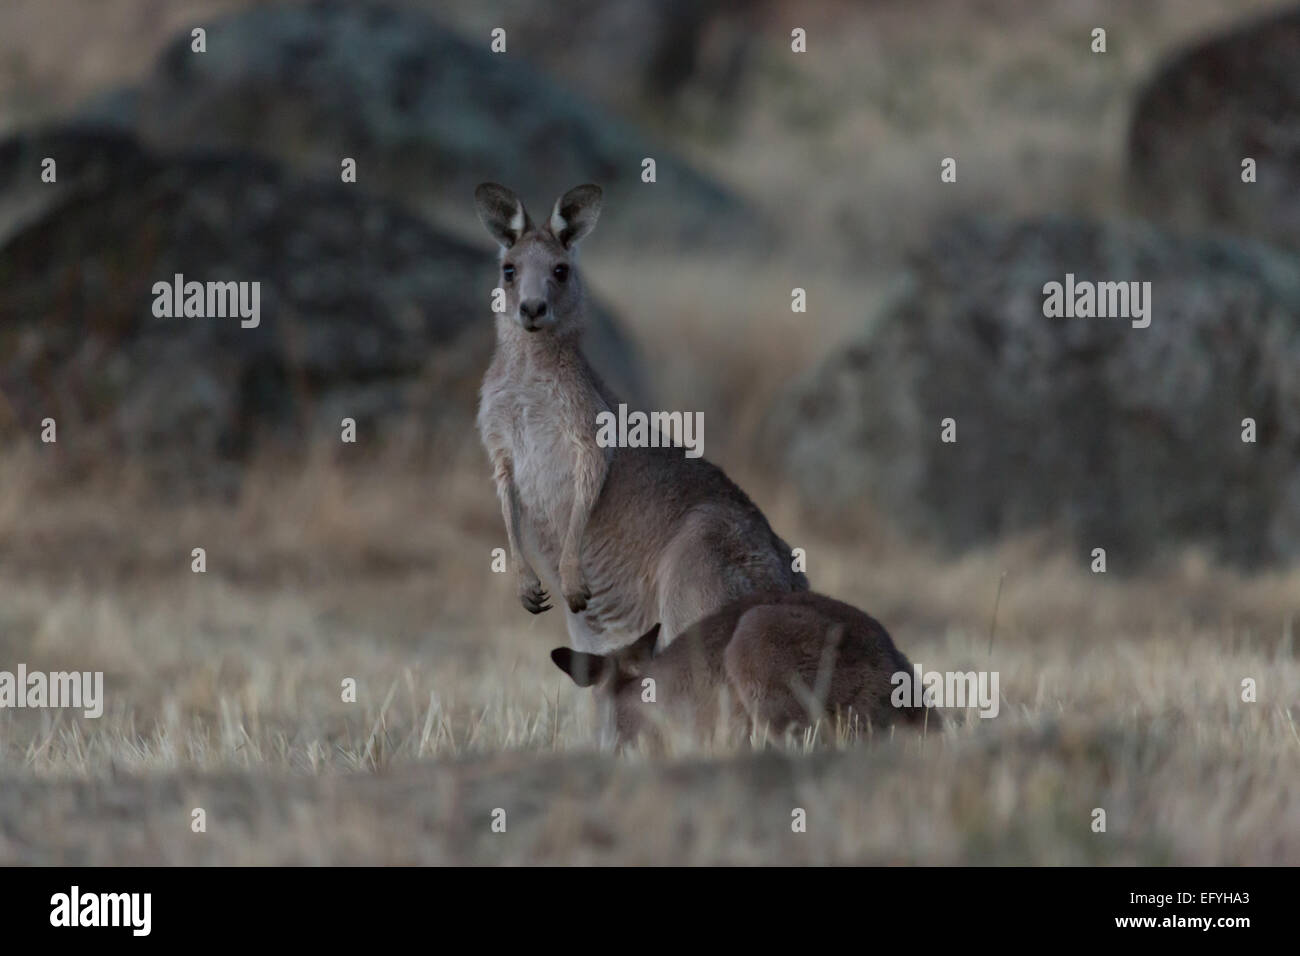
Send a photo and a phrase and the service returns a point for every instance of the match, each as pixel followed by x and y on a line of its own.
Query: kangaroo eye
pixel 508 272
pixel 561 272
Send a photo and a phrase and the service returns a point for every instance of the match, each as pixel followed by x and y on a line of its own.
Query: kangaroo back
pixel 796 658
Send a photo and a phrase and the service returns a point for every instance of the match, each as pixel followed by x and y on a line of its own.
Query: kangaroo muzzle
pixel 533 314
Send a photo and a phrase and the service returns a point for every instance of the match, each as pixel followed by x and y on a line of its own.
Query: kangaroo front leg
pixel 588 478
pixel 531 594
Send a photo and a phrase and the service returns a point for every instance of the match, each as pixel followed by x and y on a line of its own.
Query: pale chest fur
pixel 539 423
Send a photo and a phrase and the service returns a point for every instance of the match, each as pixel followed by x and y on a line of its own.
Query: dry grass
pixel 223 692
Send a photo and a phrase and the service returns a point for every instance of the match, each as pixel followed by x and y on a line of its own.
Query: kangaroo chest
pixel 544 470
pixel 529 419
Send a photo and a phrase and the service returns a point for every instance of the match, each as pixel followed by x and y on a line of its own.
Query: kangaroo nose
pixel 533 308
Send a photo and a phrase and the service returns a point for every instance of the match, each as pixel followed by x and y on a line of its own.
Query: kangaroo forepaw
pixel 577 597
pixel 533 597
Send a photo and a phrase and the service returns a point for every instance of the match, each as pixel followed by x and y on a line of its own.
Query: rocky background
pixel 226 164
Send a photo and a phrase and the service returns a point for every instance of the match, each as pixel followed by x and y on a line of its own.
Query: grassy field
pixel 223 692
pixel 1119 691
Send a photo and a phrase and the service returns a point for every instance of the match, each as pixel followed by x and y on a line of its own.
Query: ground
pixel 1118 691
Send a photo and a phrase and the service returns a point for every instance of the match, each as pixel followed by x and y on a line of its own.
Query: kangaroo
pixel 780 660
pixel 627 536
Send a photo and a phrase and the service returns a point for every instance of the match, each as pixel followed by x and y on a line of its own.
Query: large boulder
pixel 87 160
pixel 1124 438
pixel 635 55
pixel 365 310
pixel 426 114
pixel 1207 109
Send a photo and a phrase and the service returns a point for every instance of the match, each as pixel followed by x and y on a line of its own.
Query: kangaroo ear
pixel 633 657
pixel 585 669
pixel 501 211
pixel 644 646
pixel 575 214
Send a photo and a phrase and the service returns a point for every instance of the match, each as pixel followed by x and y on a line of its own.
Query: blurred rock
pixel 87 160
pixel 365 310
pixel 1126 438
pixel 636 54
pixel 426 114
pixel 1207 109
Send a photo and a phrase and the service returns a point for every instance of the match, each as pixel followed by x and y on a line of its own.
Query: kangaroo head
pixel 538 264
pixel 609 671
pixel 615 678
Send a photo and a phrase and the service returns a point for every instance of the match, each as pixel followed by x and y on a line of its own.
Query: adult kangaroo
pixel 629 537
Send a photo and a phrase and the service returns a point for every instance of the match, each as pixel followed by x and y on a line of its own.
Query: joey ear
pixel 585 669
pixel 644 646
pixel 502 212
pixel 575 214
pixel 637 654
